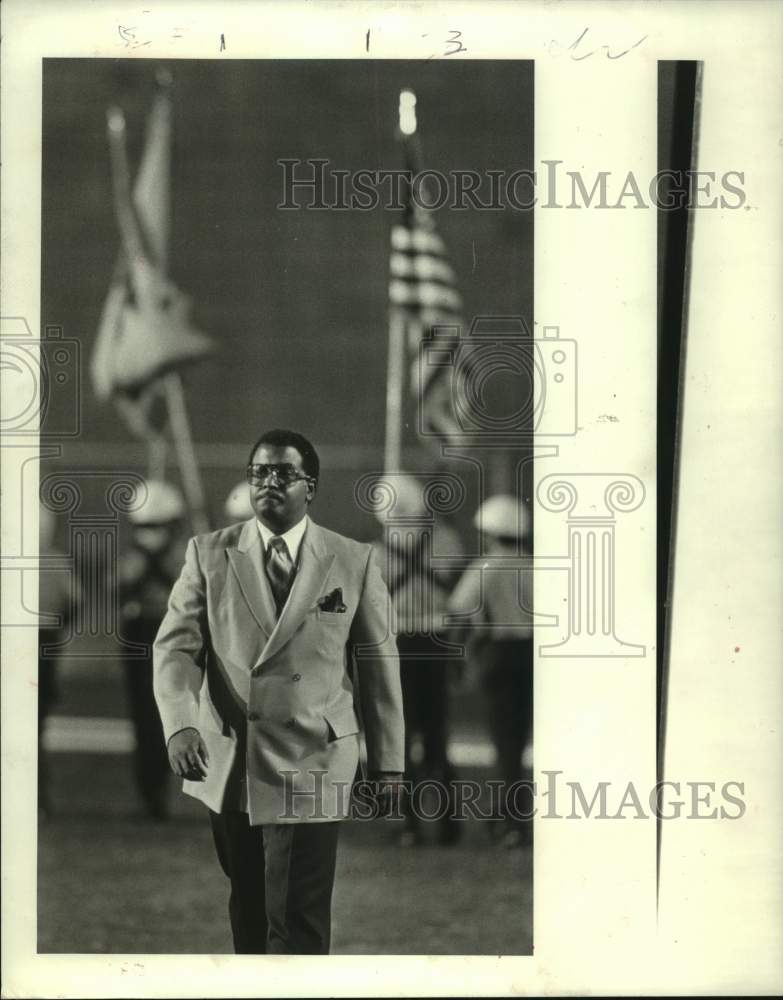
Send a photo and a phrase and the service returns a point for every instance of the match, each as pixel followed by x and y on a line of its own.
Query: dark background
pixel 296 300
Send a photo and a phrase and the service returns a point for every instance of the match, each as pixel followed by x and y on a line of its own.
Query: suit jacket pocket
pixel 332 617
pixel 341 721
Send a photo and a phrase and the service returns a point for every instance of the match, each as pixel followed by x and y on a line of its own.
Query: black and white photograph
pixel 269 310
pixel 390 564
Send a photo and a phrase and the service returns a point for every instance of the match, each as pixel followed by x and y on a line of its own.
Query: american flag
pixel 423 291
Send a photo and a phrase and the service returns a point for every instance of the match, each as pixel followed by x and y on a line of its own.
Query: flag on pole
pixel 143 410
pixel 423 294
pixel 152 190
pixel 144 330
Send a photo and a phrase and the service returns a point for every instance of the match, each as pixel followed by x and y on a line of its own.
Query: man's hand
pixel 188 755
pixel 388 788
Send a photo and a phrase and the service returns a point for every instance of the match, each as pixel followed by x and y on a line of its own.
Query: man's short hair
pixel 290 439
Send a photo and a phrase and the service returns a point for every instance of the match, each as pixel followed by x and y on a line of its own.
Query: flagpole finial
pixel 164 77
pixel 115 120
pixel 407 113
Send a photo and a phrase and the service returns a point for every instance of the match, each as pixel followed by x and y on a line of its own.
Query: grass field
pixel 110 881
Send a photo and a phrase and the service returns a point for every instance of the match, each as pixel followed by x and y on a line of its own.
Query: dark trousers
pixel 150 759
pixel 508 685
pixel 425 699
pixel 281 883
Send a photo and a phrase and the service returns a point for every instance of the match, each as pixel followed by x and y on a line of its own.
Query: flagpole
pixel 157 445
pixel 175 398
pixel 186 453
pixel 178 413
pixel 174 393
pixel 157 449
pixel 395 378
pixel 392 455
pixel 172 382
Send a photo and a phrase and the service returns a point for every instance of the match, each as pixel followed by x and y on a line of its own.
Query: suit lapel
pixel 248 565
pixel 314 565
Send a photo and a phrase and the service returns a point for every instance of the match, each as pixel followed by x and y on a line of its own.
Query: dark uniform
pixel 146 579
pixel 501 644
pixel 420 595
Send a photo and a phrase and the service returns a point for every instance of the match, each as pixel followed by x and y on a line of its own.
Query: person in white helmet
pixel 494 598
pixel 420 593
pixel 147 573
pixel 238 506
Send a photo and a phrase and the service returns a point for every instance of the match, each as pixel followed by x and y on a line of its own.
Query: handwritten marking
pixel 222 43
pixel 129 38
pixel 455 39
pixel 621 54
pixel 578 55
pixel 367 41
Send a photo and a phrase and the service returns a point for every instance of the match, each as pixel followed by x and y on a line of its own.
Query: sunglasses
pixel 285 474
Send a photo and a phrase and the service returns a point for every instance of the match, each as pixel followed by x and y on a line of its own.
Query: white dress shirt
pixel 292 538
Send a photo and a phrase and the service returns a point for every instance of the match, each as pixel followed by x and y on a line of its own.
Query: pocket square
pixel 333 602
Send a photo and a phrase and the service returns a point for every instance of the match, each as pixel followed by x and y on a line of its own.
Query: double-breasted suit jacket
pixel 280 702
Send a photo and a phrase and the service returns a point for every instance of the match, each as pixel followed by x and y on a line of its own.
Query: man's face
pixel 278 505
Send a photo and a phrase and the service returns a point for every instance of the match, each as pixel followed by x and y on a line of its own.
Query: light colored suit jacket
pixel 280 701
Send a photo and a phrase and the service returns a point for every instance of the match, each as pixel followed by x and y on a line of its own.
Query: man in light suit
pixel 277 645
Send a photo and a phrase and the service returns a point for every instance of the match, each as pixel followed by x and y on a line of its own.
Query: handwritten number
pixel 455 40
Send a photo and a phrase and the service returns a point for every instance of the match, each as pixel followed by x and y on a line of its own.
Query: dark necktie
pixel 279 571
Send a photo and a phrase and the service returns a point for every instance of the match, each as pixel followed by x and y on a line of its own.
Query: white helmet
pixel 408 497
pixel 238 506
pixel 503 516
pixel 161 504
